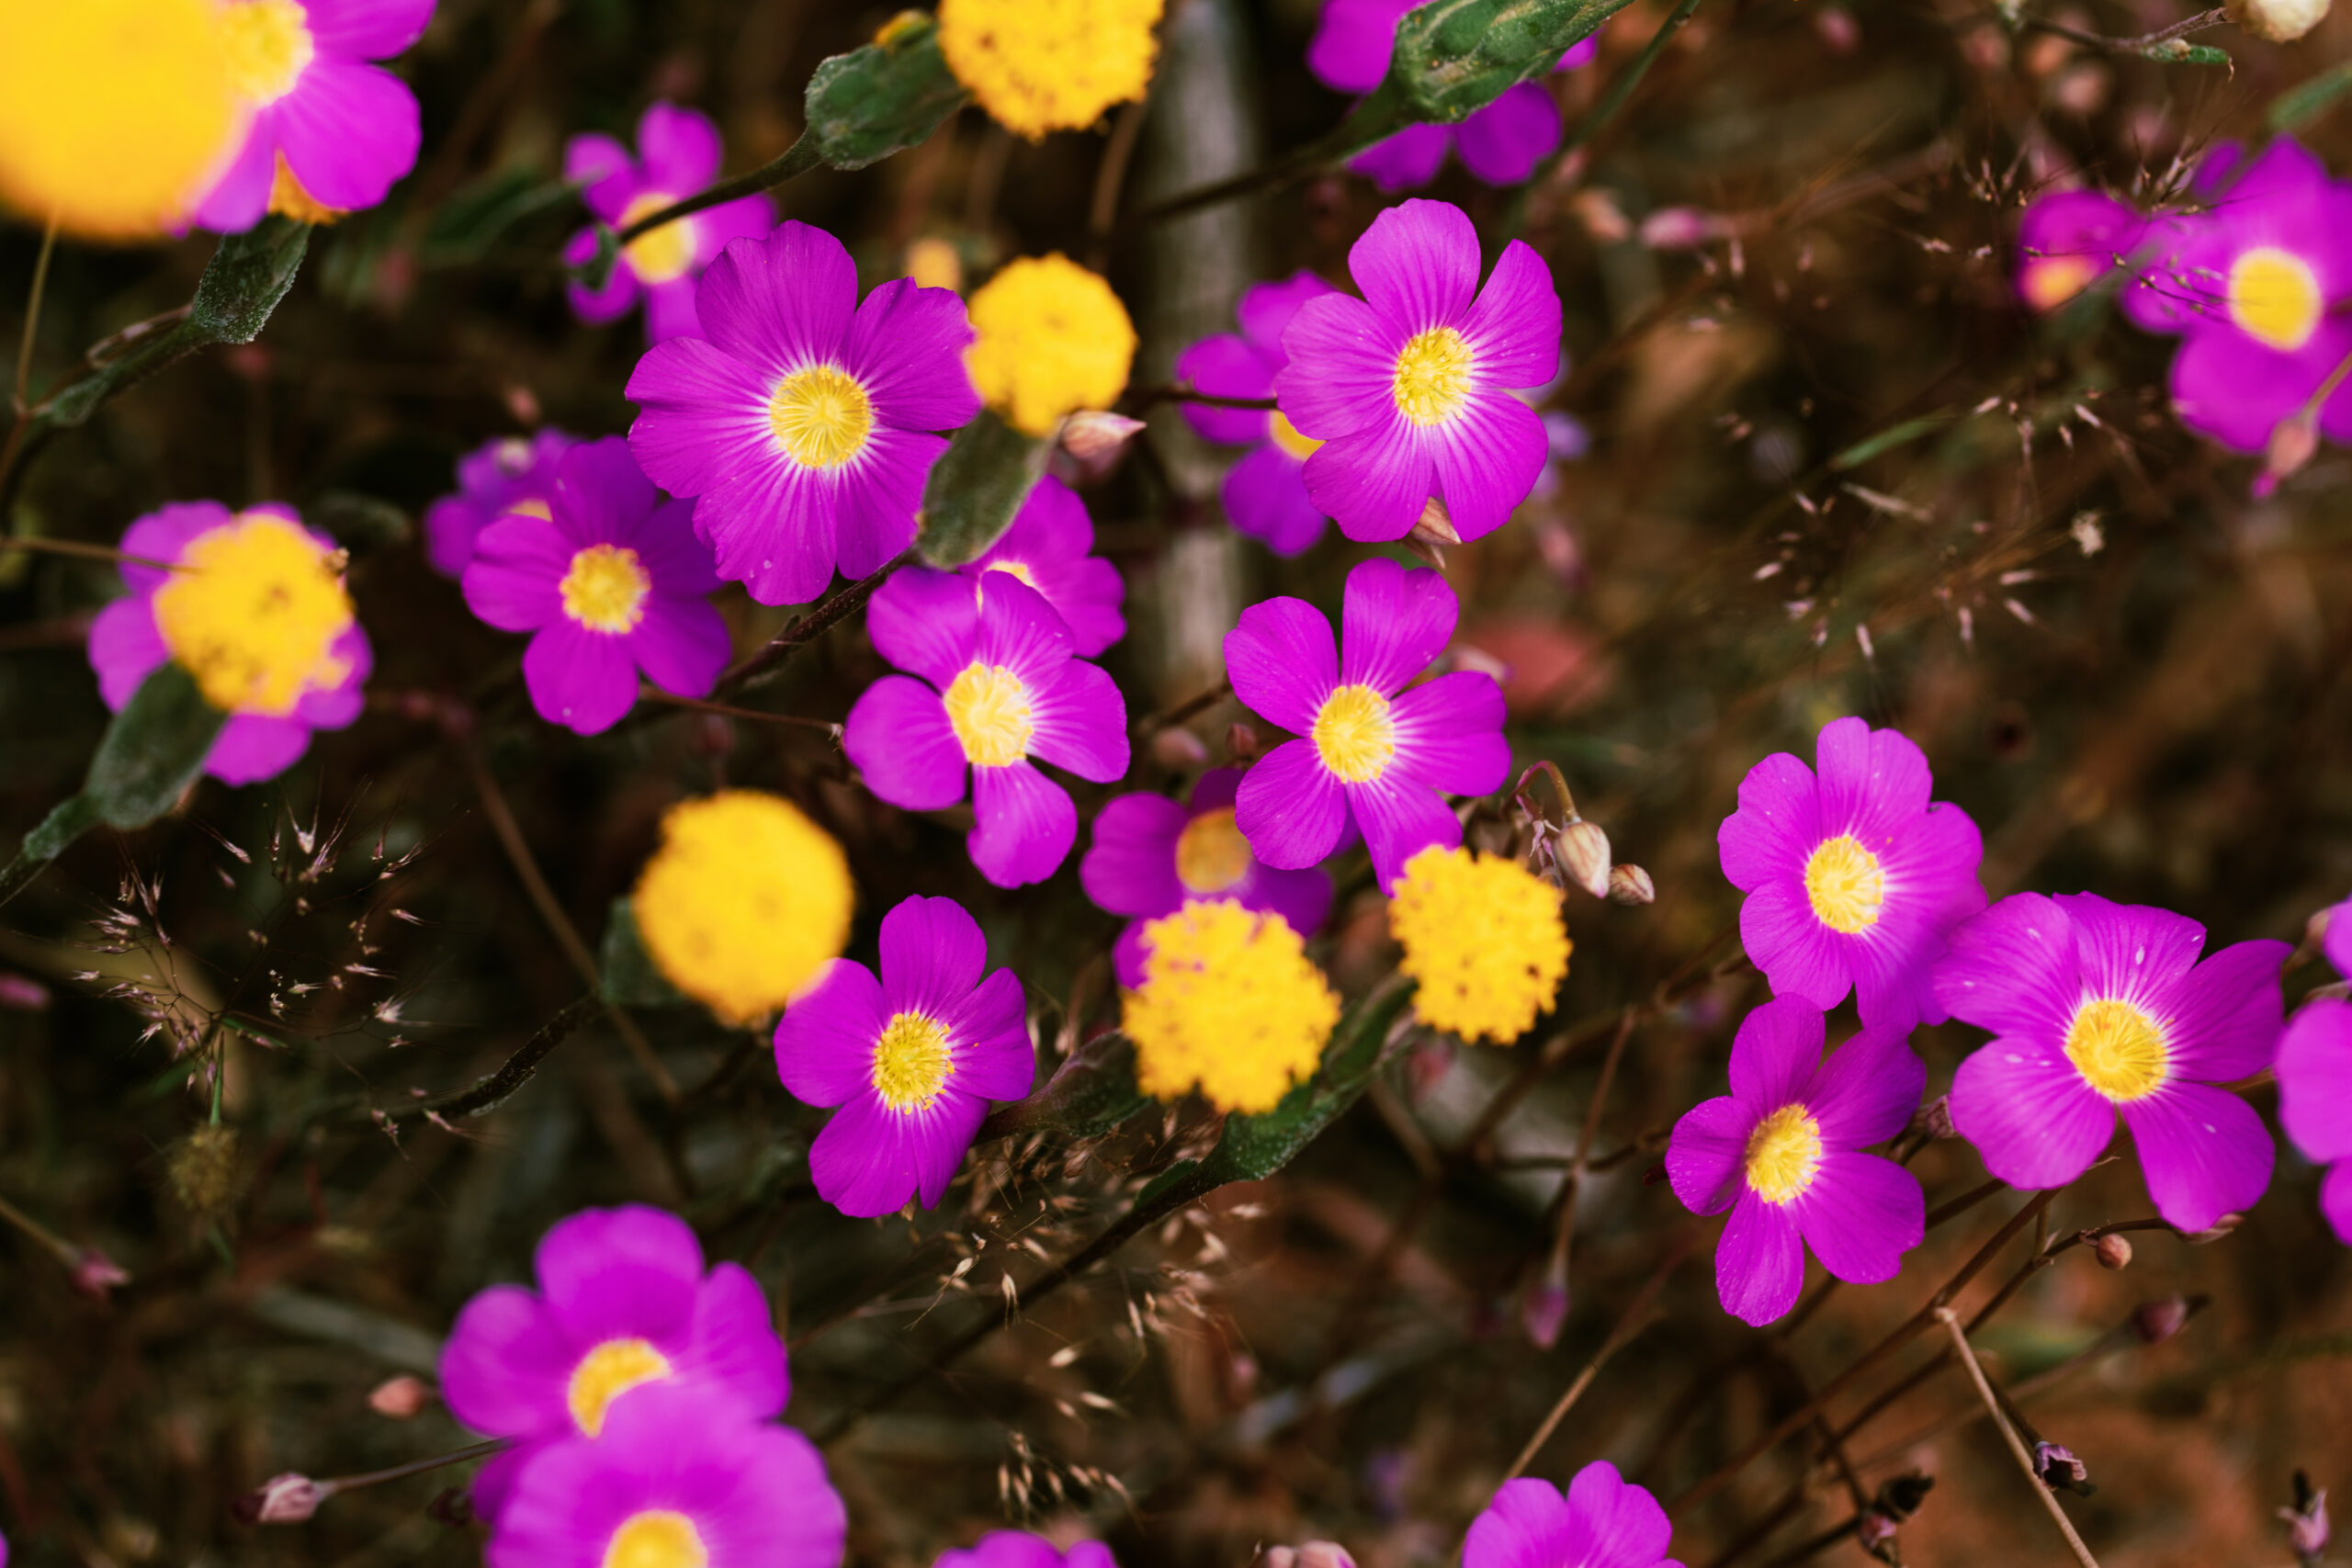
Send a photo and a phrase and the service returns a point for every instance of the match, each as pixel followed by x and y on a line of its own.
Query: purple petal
pixel 1283 662
pixel 365 30
pixel 580 678
pixel 240 198
pixel 2030 1115
pixel 505 1365
pixel 681 148
pixel 125 647
pixel 2336 1200
pixel 2011 969
pixel 901 743
pixel 932 955
pixel 1706 1155
pixel 1621 1526
pixel 1265 497
pixel 2129 951
pixel 1303 898
pixel 1130 867
pixel 906 347
pixel 824 1042
pixel 348 131
pixel 927 621
pixel 2337 944
pixel 2315 1079
pixel 704 414
pixel 673 556
pixel 1227 367
pixel 1341 374
pixel 1760 1263
pixel 1501 144
pixel 1080 723
pixel 1374 483
pixel 733 1349
pixel 1400 817
pixel 602 167
pixel 682 645
pixel 772 525
pixel 630 1271
pixel 1265 310
pixel 1405 161
pixel 1777 827
pixel 1023 825
pixel 1859 1216
pixel 780 303
pixel 1526 1525
pixel 2235 390
pixel 670 309
pixel 1392 623
pixel 1787 940
pixel 2204 1151
pixel 1866 1092
pixel 252 747
pixel 1514 329
pixel 1290 808
pixel 1418 264
pixel 1352 42
pixel 2224 1018
pixel 1776 1053
pixel 877 496
pixel 1873 782
pixel 993 1058
pixel 872 1160
pixel 1487 459
pixel 1449 733
pixel 511 583
pixel 598 305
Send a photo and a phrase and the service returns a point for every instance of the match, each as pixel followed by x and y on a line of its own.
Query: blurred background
pixel 1815 458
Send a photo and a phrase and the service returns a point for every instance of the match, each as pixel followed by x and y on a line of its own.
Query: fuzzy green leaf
pixel 976 486
pixel 153 749
pixel 74 816
pixel 883 98
pixel 1455 57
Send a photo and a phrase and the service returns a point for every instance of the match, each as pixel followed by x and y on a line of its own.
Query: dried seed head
pixel 201 1172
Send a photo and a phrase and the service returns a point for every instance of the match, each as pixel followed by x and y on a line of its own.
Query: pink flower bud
pixel 1582 856
pixel 2114 1252
pixel 22 992
pixel 2159 1320
pixel 95 1274
pixel 1679 229
pixel 1176 746
pixel 1093 435
pixel 1630 885
pixel 400 1397
pixel 287 1499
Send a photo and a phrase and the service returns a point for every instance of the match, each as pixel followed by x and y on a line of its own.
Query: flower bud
pixel 1176 746
pixel 1630 885
pixel 2159 1320
pixel 2293 443
pixel 1679 229
pixel 1544 1309
pixel 400 1397
pixel 1240 742
pixel 1432 531
pixel 1324 1554
pixel 2277 21
pixel 2307 1525
pixel 1093 436
pixel 1876 1532
pixel 1581 852
pixel 1600 215
pixel 287 1499
pixel 2220 1228
pixel 95 1273
pixel 22 993
pixel 2060 1470
pixel 1933 1120
pixel 2114 1252
pixel 451 1505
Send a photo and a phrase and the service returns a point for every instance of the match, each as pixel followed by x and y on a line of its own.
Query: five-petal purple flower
pixel 1603 1521
pixel 1264 493
pixel 513 473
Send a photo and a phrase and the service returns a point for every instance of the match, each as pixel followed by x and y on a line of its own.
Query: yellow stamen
pixel 658 255
pixel 1354 734
pixel 2275 297
pixel 268 46
pixel 255 615
pixel 2119 1050
pixel 912 1062
pixel 289 199
pixel 1433 375
pixel 821 416
pixel 605 589
pixel 1845 885
pixel 1284 435
pixel 1483 939
pixel 1783 1155
pixel 606 1374
pixel 657 1538
pixel 2048 282
pixel 1231 1005
pixel 1211 854
pixel 989 707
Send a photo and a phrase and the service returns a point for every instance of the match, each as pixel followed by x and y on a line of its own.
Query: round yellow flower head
pixel 1229 1005
pixel 743 902
pixel 1041 66
pixel 1483 936
pixel 254 611
pixel 115 116
pixel 1051 338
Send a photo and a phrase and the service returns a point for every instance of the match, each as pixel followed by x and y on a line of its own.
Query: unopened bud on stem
pixel 1630 885
pixel 287 1499
pixel 1582 854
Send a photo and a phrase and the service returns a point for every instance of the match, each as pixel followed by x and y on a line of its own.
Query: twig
pixel 2140 45
pixel 655 694
pixel 1635 1317
pixel 1950 1321
pixel 797 160
pixel 1167 718
pixel 1109 177
pixel 1179 393
pixel 513 1073
pixel 828 613
pixel 86 552
pixel 33 317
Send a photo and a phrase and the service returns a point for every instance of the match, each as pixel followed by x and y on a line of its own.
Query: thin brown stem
pixel 1630 1323
pixel 2140 45
pixel 728 710
pixel 85 552
pixel 1108 180
pixel 828 613
pixel 33 317
pixel 1167 718
pixel 1950 1321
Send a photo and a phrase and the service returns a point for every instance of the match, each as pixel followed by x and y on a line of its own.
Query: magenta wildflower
pixel 218 550
pixel 1409 388
pixel 610 583
pixel 1604 1521
pixel 675 1482
pixel 622 1303
pixel 678 154
pixel 329 129
pixel 800 421
pixel 2316 1081
pixel 511 474
pixel 1500 144
pixel 1265 493
pixel 1150 856
pixel 1003 688
pixel 1049 547
pixel 2098 1009
pixel 1783 1152
pixel 2068 241
pixel 1019 1549
pixel 912 1058
pixel 1369 751
pixel 1853 878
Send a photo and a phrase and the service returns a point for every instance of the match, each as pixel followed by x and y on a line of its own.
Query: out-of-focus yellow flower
pixel 115 116
pixel 933 264
pixel 254 613
pixel 1050 338
pixel 1041 66
pixel 1231 1005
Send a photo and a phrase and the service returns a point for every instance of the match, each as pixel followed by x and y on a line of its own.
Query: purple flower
pixel 678 155
pixel 1003 688
pixel 2316 1081
pixel 912 1058
pixel 231 563
pixel 623 1303
pixel 511 474
pixel 2068 241
pixel 800 420
pixel 2261 281
pixel 1019 1549
pixel 1409 388
pixel 1853 879
pixel 1783 1152
pixel 674 1483
pixel 1500 144
pixel 611 582
pixel 1048 547
pixel 1265 493
pixel 2099 1008
pixel 329 129
pixel 1368 750
pixel 1604 1521
pixel 1150 856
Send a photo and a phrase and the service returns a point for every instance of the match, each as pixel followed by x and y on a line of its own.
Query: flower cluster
pixel 1483 941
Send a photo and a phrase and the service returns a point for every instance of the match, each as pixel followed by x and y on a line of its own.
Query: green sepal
pixel 884 98
pixel 153 749
pixel 73 817
pixel 628 976
pixel 976 486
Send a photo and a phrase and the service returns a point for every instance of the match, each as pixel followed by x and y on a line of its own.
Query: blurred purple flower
pixel 1151 855
pixel 2098 1009
pixel 510 474
pixel 1853 878
pixel 610 583
pixel 1409 388
pixel 2316 1081
pixel 912 1059
pixel 1264 493
pixel 1604 1521
pixel 1368 751
pixel 678 154
pixel 1782 1153
pixel 1003 688
pixel 2068 241
pixel 1019 1549
pixel 801 420
pixel 1049 547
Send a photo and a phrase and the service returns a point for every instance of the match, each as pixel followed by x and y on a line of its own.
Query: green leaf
pixel 630 977
pixel 2309 99
pixel 74 816
pixel 866 104
pixel 153 749
pixel 976 486
pixel 1454 57
pixel 1910 429
pixel 1254 1147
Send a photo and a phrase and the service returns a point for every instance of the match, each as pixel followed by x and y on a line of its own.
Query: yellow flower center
pixel 289 199
pixel 1049 338
pixel 606 1374
pixel 912 1062
pixel 268 46
pixel 1783 1155
pixel 2119 1050
pixel 989 707
pixel 255 615
pixel 820 415
pixel 2275 297
pixel 658 255
pixel 1483 940
pixel 2048 282
pixel 1041 66
pixel 1285 435
pixel 1211 854
pixel 605 589
pixel 935 264
pixel 1229 1005
pixel 743 902
pixel 1433 375
pixel 534 507
pixel 1845 885
pixel 1354 735
pixel 657 1538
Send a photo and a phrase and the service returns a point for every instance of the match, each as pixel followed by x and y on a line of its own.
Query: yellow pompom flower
pixel 1482 937
pixel 115 116
pixel 744 903
pixel 254 613
pixel 1041 66
pixel 1229 1005
pixel 1050 338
